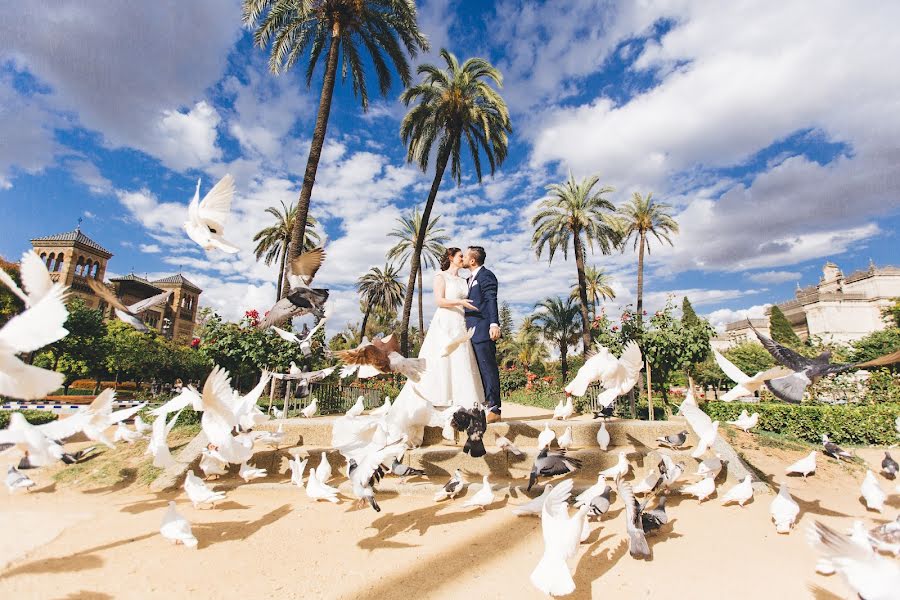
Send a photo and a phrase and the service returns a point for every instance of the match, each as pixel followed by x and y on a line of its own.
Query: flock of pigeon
pixel 372 452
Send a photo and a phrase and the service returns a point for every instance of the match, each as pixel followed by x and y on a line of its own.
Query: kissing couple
pixel 460 349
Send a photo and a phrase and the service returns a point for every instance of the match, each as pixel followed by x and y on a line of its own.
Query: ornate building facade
pixel 73 258
pixel 838 309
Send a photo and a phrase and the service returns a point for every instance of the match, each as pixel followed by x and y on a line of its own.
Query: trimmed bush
pixel 35 417
pixel 511 380
pixel 844 424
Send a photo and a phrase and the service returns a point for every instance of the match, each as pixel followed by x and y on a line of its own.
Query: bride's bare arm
pixel 440 287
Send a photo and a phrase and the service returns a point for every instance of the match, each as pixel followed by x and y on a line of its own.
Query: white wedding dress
pixel 448 381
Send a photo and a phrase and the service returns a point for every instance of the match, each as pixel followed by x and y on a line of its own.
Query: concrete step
pixel 523 433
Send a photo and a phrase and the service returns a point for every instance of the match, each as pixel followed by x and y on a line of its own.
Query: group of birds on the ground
pixel 371 452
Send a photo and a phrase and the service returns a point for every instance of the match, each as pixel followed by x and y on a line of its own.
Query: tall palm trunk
pixel 282 273
pixel 582 292
pixel 563 363
pixel 640 283
pixel 365 321
pixel 421 316
pixel 298 233
pixel 439 167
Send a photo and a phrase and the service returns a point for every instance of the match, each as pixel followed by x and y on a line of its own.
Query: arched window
pixel 87 268
pixel 79 267
pixel 96 270
pixel 50 259
pixel 44 257
pixel 59 260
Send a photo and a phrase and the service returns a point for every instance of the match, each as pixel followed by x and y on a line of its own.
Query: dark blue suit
pixel 483 294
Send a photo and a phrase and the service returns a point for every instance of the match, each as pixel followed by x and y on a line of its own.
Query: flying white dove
pixel 176 528
pixel 381 410
pixel 198 493
pixel 451 488
pixel 123 434
pixel 207 217
pixel 620 469
pixel 565 440
pixel 458 341
pixel 546 437
pixel 705 428
pixel 536 505
pixel 603 437
pixel 746 385
pixel 870 576
pixel 39 325
pixel 616 375
pixel 483 497
pixel 187 397
pixel 504 444
pixel 30 439
pixel 562 535
pixel 564 410
pixel 370 469
pixel 128 314
pixel 212 463
pixel 35 279
pixel 784 510
pixel 702 489
pixel 249 473
pixel 323 471
pixel 305 342
pixel 298 468
pixel 158 446
pixel 357 409
pixel 745 421
pixel 805 466
pixel 317 490
pixel 740 493
pixel 310 410
pixel 92 420
pixel 219 418
pixel 17 481
pixel 141 426
pixel 872 493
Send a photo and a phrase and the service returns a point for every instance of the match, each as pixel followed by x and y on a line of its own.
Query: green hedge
pixel 845 424
pixel 35 417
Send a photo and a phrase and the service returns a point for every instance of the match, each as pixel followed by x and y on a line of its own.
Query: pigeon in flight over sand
pixel 870 576
pixel 562 535
pixel 382 356
pixel 806 371
pixel 550 464
pixel 207 217
pixel 452 488
pixel 833 450
pixel 128 314
pixel 805 466
pixel 706 429
pixel 654 518
pixel 740 493
pixel 176 528
pixel 616 375
pixel 886 537
pixel 17 481
pixel 305 342
pixel 158 446
pixel 637 545
pixel 746 385
pixel 302 299
pixel 535 506
pixel 889 466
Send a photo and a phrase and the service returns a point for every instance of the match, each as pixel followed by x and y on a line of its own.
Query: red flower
pixel 615 327
pixel 195 342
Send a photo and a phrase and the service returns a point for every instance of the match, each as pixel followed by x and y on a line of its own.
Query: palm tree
pixel 530 348
pixel 597 287
pixel 380 29
pixel 557 320
pixel 432 249
pixel 639 218
pixel 571 210
pixel 453 104
pixel 272 241
pixel 380 289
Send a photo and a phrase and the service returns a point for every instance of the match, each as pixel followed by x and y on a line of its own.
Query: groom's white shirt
pixel 472 282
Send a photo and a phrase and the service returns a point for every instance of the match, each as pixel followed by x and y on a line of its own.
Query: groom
pixel 483 294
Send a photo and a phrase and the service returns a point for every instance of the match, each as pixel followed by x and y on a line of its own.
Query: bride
pixel 448 381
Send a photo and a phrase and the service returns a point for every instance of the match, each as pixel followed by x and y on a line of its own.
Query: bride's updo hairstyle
pixel 448 256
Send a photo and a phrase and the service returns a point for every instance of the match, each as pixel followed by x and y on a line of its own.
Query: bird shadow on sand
pixel 47 489
pixel 593 565
pixel 78 561
pixel 159 501
pixel 85 595
pixel 820 593
pixel 127 477
pixel 420 520
pixel 209 534
pixel 815 508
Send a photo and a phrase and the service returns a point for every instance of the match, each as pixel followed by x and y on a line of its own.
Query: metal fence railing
pixel 332 398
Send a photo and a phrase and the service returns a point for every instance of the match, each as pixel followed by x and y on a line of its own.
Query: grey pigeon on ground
pixel 17 481
pixel 889 466
pixel 401 470
pixel 634 524
pixel 833 450
pixel 600 503
pixel 653 519
pixel 676 440
pixel 548 464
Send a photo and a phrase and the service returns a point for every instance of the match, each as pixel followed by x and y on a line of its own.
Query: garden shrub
pixel 511 380
pixel 35 417
pixel 844 424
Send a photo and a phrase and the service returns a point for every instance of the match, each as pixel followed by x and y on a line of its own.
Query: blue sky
pixel 771 127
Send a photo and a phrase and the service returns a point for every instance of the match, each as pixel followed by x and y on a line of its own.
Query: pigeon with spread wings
pixel 129 314
pixel 206 218
pixel 382 356
pixel 746 385
pixel 302 299
pixel 616 375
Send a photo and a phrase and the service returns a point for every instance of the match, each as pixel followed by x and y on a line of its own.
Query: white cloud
pixel 185 140
pixel 150 248
pixel 774 276
pixel 722 317
pixel 87 173
pixel 28 141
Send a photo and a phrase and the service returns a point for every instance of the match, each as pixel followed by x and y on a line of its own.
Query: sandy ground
pixel 61 542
